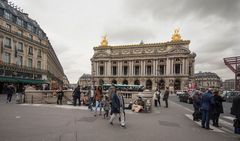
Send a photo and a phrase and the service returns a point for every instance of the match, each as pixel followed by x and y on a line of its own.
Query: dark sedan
pixel 183 97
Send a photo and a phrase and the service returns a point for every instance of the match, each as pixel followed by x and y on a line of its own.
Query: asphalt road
pixel 26 122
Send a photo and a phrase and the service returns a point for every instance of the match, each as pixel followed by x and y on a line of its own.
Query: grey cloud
pixel 176 10
pixel 130 34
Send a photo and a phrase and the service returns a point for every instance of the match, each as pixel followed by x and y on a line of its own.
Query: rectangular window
pixel 30 37
pixel 20 47
pixel 137 70
pixel 39 54
pixel 20 22
pixel 177 68
pixel 125 70
pixel 30 50
pixel 39 64
pixel 19 60
pixel 7 15
pixel 114 70
pixel 149 70
pixel 101 70
pixel 30 62
pixel 7 42
pixel 20 32
pixel 8 27
pixel 161 69
pixel 7 57
pixel 30 27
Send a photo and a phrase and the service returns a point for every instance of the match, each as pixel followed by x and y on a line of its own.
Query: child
pixel 106 106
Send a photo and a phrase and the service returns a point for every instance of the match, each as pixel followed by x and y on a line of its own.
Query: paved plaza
pixel 27 122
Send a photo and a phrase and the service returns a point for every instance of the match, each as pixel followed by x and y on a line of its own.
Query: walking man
pixel 207 101
pixel 77 96
pixel 115 107
pixel 165 96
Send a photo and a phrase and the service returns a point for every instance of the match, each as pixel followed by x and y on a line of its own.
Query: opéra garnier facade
pixel 152 65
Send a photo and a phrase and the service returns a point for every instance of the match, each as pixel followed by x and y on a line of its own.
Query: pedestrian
pixel 115 107
pixel 235 110
pixel 196 106
pixel 122 110
pixel 77 96
pixel 165 96
pixel 106 107
pixel 91 99
pixel 10 91
pixel 98 100
pixel 206 103
pixel 217 107
pixel 60 95
pixel 155 98
pixel 158 95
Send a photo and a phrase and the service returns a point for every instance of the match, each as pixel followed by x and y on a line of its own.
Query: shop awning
pixel 21 80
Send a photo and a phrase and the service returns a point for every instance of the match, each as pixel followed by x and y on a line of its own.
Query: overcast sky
pixel 74 27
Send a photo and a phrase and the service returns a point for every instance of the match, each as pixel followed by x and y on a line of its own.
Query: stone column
pixel 167 67
pixel 144 68
pixel 96 69
pixel 154 68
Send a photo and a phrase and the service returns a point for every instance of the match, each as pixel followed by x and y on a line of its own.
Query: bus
pixel 123 87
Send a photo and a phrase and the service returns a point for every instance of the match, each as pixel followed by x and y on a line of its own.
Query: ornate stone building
pixel 207 80
pixel 152 65
pixel 26 54
pixel 85 80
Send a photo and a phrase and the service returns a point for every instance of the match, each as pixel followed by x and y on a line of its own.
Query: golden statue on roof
pixel 176 36
pixel 104 41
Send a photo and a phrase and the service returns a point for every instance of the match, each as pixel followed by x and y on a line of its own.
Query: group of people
pixel 207 106
pixel 157 97
pixel 112 104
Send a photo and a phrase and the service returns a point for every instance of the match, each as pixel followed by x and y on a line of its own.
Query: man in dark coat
pixel 196 106
pixel 77 96
pixel 217 108
pixel 207 101
pixel 235 110
pixel 165 97
pixel 10 91
pixel 115 107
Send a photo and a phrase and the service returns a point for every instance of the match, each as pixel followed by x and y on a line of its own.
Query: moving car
pixel 183 97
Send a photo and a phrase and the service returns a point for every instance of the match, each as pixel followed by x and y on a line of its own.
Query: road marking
pixel 18 116
pixel 229 117
pixel 223 122
pixel 199 123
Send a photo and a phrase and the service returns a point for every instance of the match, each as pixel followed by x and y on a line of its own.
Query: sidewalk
pixel 26 122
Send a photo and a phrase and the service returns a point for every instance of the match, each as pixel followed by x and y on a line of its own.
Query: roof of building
pixel 206 74
pixel 16 11
pixel 86 76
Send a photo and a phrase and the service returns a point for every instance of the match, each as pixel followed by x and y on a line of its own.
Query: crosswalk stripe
pixel 228 117
pixel 214 128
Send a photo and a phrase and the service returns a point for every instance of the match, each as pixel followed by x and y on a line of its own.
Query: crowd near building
pixel 207 79
pixel 149 64
pixel 26 54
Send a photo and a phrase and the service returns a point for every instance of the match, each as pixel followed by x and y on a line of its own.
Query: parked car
pixel 179 92
pixel 183 97
pixel 228 96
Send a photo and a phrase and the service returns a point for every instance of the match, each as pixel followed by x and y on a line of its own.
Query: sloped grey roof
pixel 19 14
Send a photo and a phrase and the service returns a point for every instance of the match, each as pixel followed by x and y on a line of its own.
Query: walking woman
pixel 98 100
